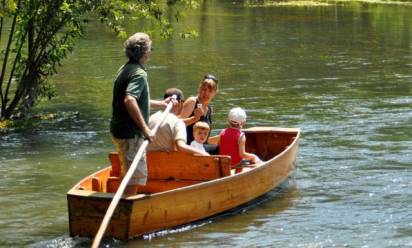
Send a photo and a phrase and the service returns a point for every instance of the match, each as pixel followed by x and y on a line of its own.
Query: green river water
pixel 343 74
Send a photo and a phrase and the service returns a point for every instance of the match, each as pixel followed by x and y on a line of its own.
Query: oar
pixel 126 179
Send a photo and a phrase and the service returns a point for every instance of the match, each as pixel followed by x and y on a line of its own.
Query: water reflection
pixel 221 231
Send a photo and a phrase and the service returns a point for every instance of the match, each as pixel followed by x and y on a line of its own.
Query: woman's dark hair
pixel 209 81
pixel 210 76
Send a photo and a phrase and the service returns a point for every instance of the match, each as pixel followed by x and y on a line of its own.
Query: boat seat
pixel 177 165
pixel 112 184
pixel 167 170
pixel 183 166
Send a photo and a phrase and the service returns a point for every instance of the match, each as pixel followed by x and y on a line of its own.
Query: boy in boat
pixel 232 140
pixel 200 133
pixel 171 135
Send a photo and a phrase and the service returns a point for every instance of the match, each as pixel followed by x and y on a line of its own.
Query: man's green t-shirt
pixel 131 80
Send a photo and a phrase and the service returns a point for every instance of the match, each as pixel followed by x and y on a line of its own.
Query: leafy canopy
pixel 36 35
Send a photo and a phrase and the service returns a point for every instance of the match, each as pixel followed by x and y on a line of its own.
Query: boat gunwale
pixel 231 177
pixel 104 195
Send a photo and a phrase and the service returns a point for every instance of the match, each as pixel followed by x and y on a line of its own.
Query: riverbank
pixel 36 120
pixel 309 3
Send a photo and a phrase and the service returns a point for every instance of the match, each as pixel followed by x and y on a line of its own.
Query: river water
pixel 343 74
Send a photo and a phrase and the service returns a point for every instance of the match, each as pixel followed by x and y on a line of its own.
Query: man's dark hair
pixel 174 91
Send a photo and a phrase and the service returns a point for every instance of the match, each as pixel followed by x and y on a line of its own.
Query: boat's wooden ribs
pixel 268 144
pixel 115 161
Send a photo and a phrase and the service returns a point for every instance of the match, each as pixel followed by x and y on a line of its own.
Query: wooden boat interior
pixel 171 170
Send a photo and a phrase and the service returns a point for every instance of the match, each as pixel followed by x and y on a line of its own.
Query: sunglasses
pixel 179 98
pixel 210 76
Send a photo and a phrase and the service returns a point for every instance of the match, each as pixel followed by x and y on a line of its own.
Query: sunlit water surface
pixel 343 74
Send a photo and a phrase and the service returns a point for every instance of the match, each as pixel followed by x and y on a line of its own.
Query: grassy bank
pixel 255 3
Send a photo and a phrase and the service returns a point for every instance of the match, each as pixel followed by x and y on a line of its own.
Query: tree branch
pixel 18 54
pixel 3 3
pixel 8 47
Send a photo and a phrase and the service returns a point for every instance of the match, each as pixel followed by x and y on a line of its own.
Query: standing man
pixel 131 108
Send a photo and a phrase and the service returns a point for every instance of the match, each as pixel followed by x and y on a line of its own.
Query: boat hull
pixel 147 213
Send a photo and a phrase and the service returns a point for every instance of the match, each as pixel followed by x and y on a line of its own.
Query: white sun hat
pixel 237 115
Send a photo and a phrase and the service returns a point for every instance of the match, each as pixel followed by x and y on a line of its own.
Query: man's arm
pixel 157 104
pixel 179 137
pixel 183 147
pixel 134 112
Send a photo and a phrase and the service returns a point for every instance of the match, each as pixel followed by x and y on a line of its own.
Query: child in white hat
pixel 232 140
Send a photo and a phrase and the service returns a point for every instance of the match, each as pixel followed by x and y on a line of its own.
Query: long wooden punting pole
pixel 126 179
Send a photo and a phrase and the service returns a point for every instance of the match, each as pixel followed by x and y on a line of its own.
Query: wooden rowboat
pixel 182 188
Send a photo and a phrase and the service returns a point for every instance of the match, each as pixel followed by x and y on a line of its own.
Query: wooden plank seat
pixel 169 170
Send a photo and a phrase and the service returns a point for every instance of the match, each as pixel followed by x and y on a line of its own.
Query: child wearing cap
pixel 232 140
pixel 200 133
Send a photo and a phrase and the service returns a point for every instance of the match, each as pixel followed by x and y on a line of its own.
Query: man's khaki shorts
pixel 127 149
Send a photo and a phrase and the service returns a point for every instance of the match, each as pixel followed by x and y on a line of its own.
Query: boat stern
pixel 86 210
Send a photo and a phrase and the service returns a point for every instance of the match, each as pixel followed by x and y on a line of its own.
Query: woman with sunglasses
pixel 197 108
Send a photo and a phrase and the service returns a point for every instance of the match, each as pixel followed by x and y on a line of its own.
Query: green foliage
pixel 4 124
pixel 40 34
pixel 309 3
pixel 113 13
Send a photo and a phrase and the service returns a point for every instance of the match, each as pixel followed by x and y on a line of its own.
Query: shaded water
pixel 343 74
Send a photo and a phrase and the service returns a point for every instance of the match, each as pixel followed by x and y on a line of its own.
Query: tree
pixel 41 33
